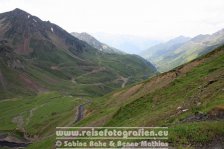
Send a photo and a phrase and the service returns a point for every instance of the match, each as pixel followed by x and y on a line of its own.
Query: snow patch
pixel 105 47
pixel 52 29
pixel 34 20
pixel 28 16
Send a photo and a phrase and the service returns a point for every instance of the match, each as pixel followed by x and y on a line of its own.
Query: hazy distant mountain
pixel 171 56
pixel 127 43
pixel 95 43
pixel 163 48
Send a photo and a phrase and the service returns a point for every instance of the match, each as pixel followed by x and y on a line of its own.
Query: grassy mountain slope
pixel 188 99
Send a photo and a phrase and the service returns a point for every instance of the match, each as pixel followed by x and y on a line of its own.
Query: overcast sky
pixel 160 19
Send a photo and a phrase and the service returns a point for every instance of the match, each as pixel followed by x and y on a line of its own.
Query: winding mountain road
pixel 14 144
pixel 80 111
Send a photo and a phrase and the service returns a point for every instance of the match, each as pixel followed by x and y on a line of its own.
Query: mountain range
pixel 164 48
pixel 40 56
pixel 180 50
pixel 127 43
pixel 50 78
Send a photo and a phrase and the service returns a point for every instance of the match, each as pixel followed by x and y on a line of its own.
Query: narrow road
pixel 4 143
pixel 80 114
pixel 125 81
pixel 80 111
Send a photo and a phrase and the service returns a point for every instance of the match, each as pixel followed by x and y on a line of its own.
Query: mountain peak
pixel 16 14
pixel 23 28
pixel 95 43
pixel 19 11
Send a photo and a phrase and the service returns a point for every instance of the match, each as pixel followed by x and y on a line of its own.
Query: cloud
pixel 151 18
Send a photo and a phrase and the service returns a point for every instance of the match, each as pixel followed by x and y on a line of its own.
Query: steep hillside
pixel 186 51
pixel 52 59
pixel 188 99
pixel 95 43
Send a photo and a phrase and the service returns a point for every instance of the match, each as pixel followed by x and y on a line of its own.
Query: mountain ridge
pixel 186 51
pixel 165 47
pixel 127 43
pixel 95 43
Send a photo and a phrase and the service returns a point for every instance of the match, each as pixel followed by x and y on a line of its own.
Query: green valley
pixel 51 79
pixel 188 100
